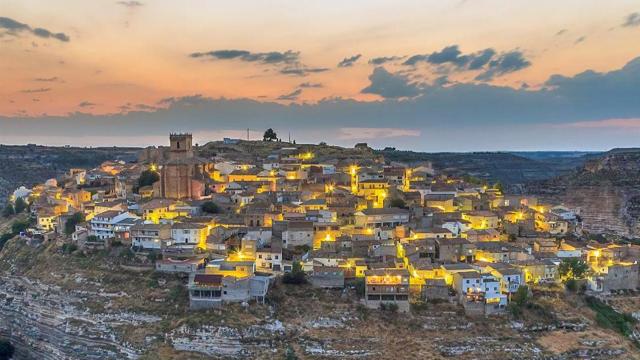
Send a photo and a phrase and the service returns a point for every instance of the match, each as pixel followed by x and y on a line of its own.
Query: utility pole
pixel 247 134
pixel 289 137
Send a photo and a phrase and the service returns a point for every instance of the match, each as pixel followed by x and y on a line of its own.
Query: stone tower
pixel 181 146
pixel 182 174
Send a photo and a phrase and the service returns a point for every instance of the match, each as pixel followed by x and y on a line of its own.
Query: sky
pixel 459 75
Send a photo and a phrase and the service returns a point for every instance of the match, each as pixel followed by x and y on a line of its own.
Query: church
pixel 183 175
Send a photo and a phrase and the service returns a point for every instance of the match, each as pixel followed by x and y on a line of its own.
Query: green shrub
pixel 296 276
pixel 572 285
pixel 210 207
pixel 607 317
pixel 70 225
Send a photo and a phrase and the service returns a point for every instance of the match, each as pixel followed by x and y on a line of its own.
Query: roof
pixel 156 203
pixel 434 230
pixel 207 279
pixel 251 171
pixel 471 274
pixel 314 202
pixel 110 214
pixel 438 197
pixel 300 225
pixel 145 226
pixel 171 261
pixel 385 211
pixel 458 266
pixel 484 213
pixel 188 225
pixel 387 271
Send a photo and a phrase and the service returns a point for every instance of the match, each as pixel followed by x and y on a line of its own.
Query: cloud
pixel 13 27
pixel 49 79
pixel 309 85
pixel 363 133
pixel 455 117
pixel 286 63
pixel 349 61
pixel 488 61
pixel 130 4
pixel 561 32
pixel 301 70
pixel 632 20
pixel 580 39
pixel 184 101
pixel 481 58
pixel 145 107
pixel 272 57
pixel 33 91
pixel 450 54
pixel 633 123
pixel 390 86
pixel 291 96
pixel 85 104
pixel 506 63
pixel 384 59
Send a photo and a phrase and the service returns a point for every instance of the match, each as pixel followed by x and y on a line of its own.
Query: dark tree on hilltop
pixel 270 135
pixel 147 178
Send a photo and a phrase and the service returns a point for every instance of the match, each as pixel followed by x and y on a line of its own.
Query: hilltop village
pixel 234 222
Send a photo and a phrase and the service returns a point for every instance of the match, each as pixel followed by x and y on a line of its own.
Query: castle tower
pixel 181 146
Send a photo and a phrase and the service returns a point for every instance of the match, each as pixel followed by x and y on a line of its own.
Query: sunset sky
pixel 424 75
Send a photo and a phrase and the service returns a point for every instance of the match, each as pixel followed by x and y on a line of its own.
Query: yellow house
pixel 375 191
pixel 481 219
pixel 243 175
pixel 160 209
pixel 46 220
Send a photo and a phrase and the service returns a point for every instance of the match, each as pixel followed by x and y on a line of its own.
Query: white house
pixel 298 233
pixel 106 224
pixel 189 233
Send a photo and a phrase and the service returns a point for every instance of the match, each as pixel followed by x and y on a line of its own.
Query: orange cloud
pixel 633 123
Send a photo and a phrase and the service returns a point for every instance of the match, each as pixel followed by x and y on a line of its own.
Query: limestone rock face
pixel 606 190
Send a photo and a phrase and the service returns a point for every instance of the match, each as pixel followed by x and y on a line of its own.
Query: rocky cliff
pixel 606 190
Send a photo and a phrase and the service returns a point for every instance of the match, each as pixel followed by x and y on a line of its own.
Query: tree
pixel 8 210
pixel 18 227
pixel 521 297
pixel 290 354
pixel 70 225
pixel 20 205
pixel 270 135
pixel 6 350
pixel 573 269
pixel 397 203
pixel 210 207
pixel 148 177
pixel 296 276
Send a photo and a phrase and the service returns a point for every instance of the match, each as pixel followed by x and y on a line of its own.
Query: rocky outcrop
pixel 606 191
